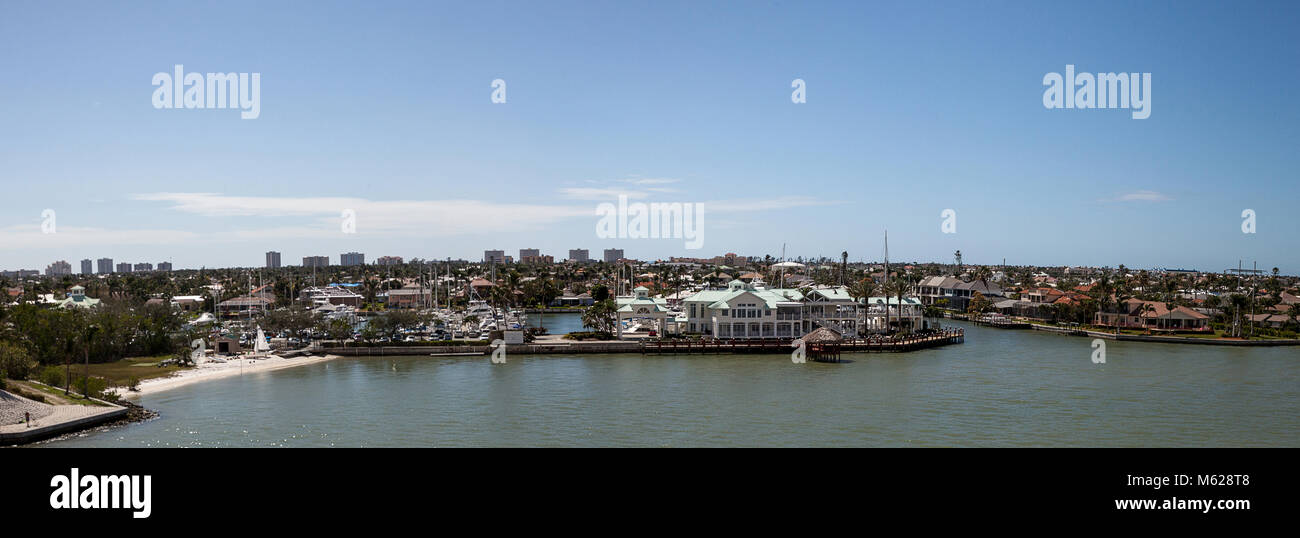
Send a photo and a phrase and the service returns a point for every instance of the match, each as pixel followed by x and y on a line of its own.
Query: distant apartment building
pixel 58 268
pixel 389 260
pixel 494 256
pixel 165 266
pixel 547 260
pixel 350 259
pixel 143 267
pixel 273 260
pixel 525 253
pixel 578 255
pixel 613 254
pixel 105 265
pixel 316 261
pixel 87 266
pixel 123 267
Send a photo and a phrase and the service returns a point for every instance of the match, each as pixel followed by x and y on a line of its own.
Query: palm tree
pixel 901 288
pixel 1122 295
pixel 860 292
pixel 1147 308
pixel 1238 302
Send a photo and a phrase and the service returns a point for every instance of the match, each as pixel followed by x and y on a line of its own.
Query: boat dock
pixel 819 351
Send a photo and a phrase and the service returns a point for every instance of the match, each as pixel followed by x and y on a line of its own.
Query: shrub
pixel 589 335
pixel 53 376
pixel 15 363
pixel 92 386
pixel 133 384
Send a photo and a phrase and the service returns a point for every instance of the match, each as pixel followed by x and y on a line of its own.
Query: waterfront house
pixel 1272 320
pixel 956 291
pixel 1155 316
pixel 749 311
pixel 907 315
pixel 745 311
pixel 833 308
pixel 569 299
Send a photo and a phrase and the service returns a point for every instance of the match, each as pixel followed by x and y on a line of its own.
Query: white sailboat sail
pixel 261 345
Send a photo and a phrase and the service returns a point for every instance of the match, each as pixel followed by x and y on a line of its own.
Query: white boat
pixel 206 317
pixel 481 309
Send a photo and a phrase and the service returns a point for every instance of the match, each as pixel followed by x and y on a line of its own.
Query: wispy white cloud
pixel 261 218
pixel 635 188
pixel 650 181
pixel 1142 196
pixel 423 217
pixel 599 193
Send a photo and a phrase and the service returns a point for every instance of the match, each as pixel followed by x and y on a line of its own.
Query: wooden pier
pixel 822 351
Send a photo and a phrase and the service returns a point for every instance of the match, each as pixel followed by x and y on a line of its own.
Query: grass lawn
pixel 53 396
pixel 119 373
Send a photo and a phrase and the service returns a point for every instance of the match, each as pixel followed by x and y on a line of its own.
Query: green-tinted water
pixel 1000 388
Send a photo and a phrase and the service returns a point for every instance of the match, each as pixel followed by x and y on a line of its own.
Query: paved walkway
pixel 53 414
pixel 14 408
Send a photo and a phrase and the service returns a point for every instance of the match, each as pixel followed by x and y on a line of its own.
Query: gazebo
pixel 823 345
pixel 642 306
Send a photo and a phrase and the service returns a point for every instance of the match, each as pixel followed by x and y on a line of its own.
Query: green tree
pixel 601 317
pixel 15 363
pixel 979 303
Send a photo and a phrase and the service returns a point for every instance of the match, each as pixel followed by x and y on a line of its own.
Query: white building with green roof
pixel 752 311
pixel 77 299
pixel 643 309
pixel 745 311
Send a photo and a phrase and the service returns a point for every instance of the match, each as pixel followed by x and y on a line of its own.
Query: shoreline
pixel 215 370
pixel 1162 339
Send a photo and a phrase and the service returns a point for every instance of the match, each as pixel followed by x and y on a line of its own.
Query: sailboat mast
pixel 886 255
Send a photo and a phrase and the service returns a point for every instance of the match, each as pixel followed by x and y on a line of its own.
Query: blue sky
pixel 911 109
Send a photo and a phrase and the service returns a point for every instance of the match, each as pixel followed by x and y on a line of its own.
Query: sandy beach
pixel 218 370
